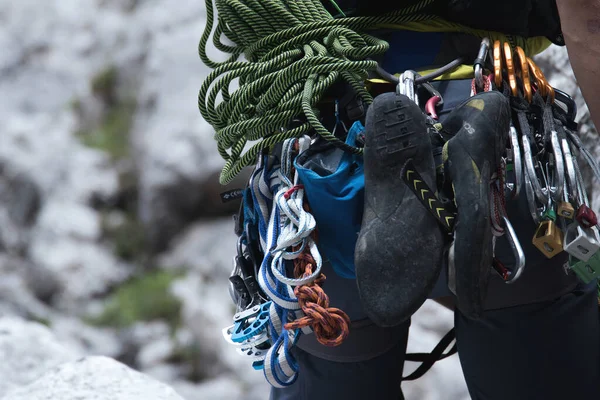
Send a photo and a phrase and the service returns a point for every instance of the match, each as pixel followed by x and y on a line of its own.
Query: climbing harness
pixel 297 71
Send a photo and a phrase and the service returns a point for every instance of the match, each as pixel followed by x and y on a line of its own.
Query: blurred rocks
pixel 109 173
pixel 176 156
pixel 37 364
pixel 207 247
pixel 19 205
pixel 557 68
pixel 66 244
pixel 27 351
pixel 94 378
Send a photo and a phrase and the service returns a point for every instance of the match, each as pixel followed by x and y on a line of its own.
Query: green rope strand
pixel 284 56
pixel 339 10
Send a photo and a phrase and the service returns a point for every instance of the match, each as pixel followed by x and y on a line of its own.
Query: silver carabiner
pixel 236 270
pixel 406 85
pixel 581 191
pixel 556 188
pixel 518 252
pixel 570 168
pixel 535 211
pixel 480 62
pixel 515 188
pixel 530 170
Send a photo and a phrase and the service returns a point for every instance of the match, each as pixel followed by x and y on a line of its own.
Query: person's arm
pixel 580 21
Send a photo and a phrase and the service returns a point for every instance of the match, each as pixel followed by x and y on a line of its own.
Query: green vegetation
pixel 129 237
pixel 104 84
pixel 191 356
pixel 40 320
pixel 112 134
pixel 144 298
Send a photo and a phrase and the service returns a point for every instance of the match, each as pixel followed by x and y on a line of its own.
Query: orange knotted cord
pixel 330 325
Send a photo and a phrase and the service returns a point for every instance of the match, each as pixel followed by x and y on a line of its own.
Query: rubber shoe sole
pixel 399 249
pixel 480 126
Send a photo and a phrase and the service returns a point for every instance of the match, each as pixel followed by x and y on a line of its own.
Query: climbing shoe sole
pixel 399 249
pixel 480 126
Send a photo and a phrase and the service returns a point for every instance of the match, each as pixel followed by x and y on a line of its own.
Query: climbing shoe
pixel 399 249
pixel 480 127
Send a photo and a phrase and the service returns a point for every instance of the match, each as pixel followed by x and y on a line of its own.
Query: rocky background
pixel 114 246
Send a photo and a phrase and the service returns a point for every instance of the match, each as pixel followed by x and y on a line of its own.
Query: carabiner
pixel 581 190
pixel 479 63
pixel 432 91
pixel 530 171
pixel 570 168
pixel 521 59
pixel 568 102
pixel 559 168
pixel 338 120
pixel 497 64
pixel 237 271
pixel 545 89
pixel 406 85
pixel 535 211
pixel 517 161
pixel 549 88
pixel 510 69
pixel 540 82
pixel 518 253
pixel 430 106
pixel 434 101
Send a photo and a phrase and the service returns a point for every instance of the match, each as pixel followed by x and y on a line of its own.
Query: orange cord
pixel 330 325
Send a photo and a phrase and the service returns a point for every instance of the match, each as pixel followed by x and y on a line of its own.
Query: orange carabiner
pixel 510 69
pixel 537 76
pixel 543 86
pixel 497 64
pixel 549 88
pixel 524 70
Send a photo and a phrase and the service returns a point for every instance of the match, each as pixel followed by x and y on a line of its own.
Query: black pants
pixel 545 351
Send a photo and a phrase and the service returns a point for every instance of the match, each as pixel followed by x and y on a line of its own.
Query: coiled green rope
pixel 293 51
